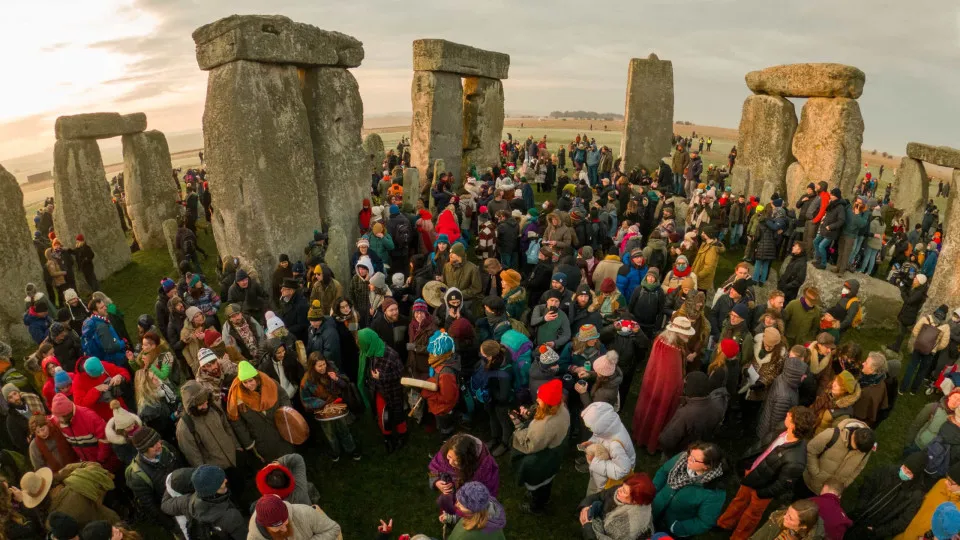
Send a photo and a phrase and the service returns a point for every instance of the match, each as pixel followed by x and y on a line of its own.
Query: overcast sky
pixel 68 56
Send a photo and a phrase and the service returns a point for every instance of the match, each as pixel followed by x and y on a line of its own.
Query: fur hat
pixel 511 278
pixel 606 365
pixel 265 488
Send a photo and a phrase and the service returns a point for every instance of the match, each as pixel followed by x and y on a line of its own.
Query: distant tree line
pixel 586 115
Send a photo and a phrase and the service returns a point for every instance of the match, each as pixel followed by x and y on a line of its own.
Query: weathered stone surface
pixel 808 80
pixel 273 39
pixel 373 149
pixel 828 141
pixel 482 123
pixel 84 205
pixel 151 192
pixel 335 112
pixel 648 122
pixel 443 55
pixel 911 189
pixel 411 187
pixel 437 131
pixel 937 155
pixel 796 182
pixel 260 161
pixel 881 300
pixel 20 264
pixel 767 125
pixel 99 125
pixel 170 237
pixel 945 285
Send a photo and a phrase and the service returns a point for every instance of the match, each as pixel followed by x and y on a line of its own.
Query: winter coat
pixel 86 395
pixel 705 264
pixel 873 400
pixel 497 520
pixel 218 511
pixel 148 479
pixel 101 340
pixel 211 439
pixel 562 234
pixel 886 503
pixel 793 274
pixel 691 510
pixel 466 278
pixel 853 222
pixel 767 367
pixel 801 325
pixel 697 419
pixel 78 504
pixel 260 428
pixel 608 431
pixel 922 519
pixel 231 337
pixel 293 313
pixel 772 528
pixel 768 236
pixel 84 434
pixel 307 522
pixel 783 394
pixel 832 223
pixel 913 299
pixel 208 302
pixel 445 398
pixel 837 462
pixel 606 390
pixel 539 448
pixel 487 471
pixel 68 351
pixel 680 161
pixel 646 305
pixel 558 331
pixel 292 370
pixel 324 340
pixel 609 267
pixel 508 236
pixel 388 385
pixel 777 474
pixel 253 300
pixel 926 425
pixel 37 325
pixel 629 277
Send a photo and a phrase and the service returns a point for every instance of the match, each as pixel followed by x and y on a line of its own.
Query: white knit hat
pixel 274 323
pixel 206 356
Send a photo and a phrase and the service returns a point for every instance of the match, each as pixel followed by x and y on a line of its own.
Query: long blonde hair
pixel 147 393
pixel 476 521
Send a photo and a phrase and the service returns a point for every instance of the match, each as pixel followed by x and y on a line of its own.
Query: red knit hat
pixel 271 511
pixel 551 393
pixel 265 489
pixel 607 286
pixel 730 348
pixel 61 405
pixel 79 238
pixel 210 336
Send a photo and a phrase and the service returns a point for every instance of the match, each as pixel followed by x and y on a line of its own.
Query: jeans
pixel 736 233
pixel 856 249
pixel 592 174
pixel 338 435
pixel 508 260
pixel 820 245
pixel 760 270
pixel 869 260
pixel 922 363
pixel 678 183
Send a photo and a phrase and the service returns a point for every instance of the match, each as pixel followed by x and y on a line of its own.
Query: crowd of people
pixel 515 328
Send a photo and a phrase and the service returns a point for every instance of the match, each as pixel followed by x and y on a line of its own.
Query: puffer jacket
pixel 783 394
pixel 211 439
pixel 838 461
pixel 691 510
pixel 609 432
pixel 928 422
pixel 913 299
pixel 768 235
pixel 218 511
pixel 833 220
pixel 776 475
pixel 697 419
pixel 607 390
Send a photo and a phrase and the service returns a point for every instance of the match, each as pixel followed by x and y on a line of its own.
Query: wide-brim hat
pixel 682 325
pixel 433 293
pixel 35 485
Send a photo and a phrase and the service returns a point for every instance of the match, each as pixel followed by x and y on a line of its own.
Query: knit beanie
pixel 771 337
pixel 946 520
pixel 548 356
pixel 378 280
pixel 93 366
pixel 730 348
pixel 588 332
pixel 394 209
pixel 607 286
pixel 207 479
pixel 97 530
pixel 167 285
pixel 421 305
pixel 473 496
pixel 274 323
pixel 741 310
pixel 315 313
pixel 696 384
pixel 921 279
pixel 62 526
pixel 560 277
pixel 627 327
pixel 458 250
pixel 240 275
pixel 192 312
pixel 363 242
pixel 271 511
pixel 606 365
pixel 387 303
pixel 8 389
pixel 440 343
pixel 206 356
pixel 511 278
pixel 144 439
pixel 61 405
pixel 847 381
pixel 586 252
pixel 69 295
pixel 495 304
pixel 61 378
pixel 210 337
pixel 245 371
pixel 551 393
pixel 836 192
pixel 122 418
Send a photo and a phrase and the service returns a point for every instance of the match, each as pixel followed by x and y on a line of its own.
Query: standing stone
pixel 945 285
pixel 796 182
pixel 767 125
pixel 373 149
pixel 439 167
pixel 150 190
pixel 808 80
pixel 411 187
pixel 260 161
pixel 84 205
pixel 828 142
pixel 20 265
pixel 437 131
pixel 911 189
pixel 170 236
pixel 335 112
pixel 482 123
pixel 648 124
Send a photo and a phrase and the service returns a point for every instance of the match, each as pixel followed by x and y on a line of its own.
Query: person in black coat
pixel 386 323
pixel 887 503
pixel 508 240
pixel 251 296
pixel 539 280
pixel 322 335
pixel 579 312
pixel 913 298
pixel 698 416
pixel 830 227
pixel 647 301
pixel 625 337
pixel 793 272
pixel 292 308
pixel 84 255
pixel 276 353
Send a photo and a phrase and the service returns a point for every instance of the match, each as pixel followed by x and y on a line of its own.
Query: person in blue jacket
pixel 632 272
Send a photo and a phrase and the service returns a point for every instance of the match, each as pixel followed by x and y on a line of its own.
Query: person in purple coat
pixel 463 458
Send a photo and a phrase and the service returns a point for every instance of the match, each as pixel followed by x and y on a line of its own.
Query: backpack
pixel 402 241
pixel 926 339
pixel 657 259
pixel 938 457
pixel 858 318
pixel 533 252
pixel 200 530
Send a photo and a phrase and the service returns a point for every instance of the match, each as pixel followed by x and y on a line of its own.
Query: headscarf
pixel 371 346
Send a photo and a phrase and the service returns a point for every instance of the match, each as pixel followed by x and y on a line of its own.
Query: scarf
pixel 678 478
pixel 870 380
pixel 64 454
pixel 246 334
pixel 239 398
pixel 371 346
pixel 682 273
pixel 212 383
pixel 90 480
pixel 650 286
pixel 437 361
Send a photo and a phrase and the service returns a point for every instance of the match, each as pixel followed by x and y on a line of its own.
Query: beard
pixel 194 411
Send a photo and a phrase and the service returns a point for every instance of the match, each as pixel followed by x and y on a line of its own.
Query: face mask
pixel 903 475
pixel 681 266
pixel 844 291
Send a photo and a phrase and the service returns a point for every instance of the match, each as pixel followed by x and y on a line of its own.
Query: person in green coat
pixel 690 492
pixel 479 515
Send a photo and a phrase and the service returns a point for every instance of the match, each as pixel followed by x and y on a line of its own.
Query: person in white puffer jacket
pixel 610 452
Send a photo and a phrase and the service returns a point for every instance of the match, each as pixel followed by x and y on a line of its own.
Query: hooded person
pixel 279 362
pixel 784 394
pixel 203 433
pixel 252 403
pixel 462 459
pixel 946 490
pixel 611 464
pixel 698 417
pixel 381 369
pixel 275 518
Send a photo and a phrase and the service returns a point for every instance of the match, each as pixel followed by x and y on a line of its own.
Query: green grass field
pixel 394 486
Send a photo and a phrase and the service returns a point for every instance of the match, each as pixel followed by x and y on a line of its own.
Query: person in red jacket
pixel 444 367
pixel 84 430
pixel 49 366
pixel 97 383
pixel 835 520
pixel 813 222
